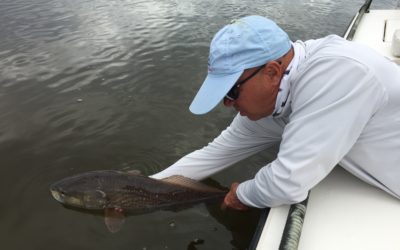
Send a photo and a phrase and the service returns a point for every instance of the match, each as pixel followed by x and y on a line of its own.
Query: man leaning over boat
pixel 325 102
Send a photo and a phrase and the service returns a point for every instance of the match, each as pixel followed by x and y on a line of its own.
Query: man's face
pixel 257 96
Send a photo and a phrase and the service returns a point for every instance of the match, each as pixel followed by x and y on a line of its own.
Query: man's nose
pixel 228 102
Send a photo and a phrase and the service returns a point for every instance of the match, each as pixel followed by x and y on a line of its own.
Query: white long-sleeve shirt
pixel 344 109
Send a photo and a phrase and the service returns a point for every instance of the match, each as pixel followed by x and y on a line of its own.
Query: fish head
pixel 81 191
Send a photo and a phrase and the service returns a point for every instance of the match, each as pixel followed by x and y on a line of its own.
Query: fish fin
pixel 114 219
pixel 190 183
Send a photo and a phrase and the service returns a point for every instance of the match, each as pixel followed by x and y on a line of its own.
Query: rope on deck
pixel 294 223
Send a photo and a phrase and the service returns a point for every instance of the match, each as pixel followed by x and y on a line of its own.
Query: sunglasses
pixel 233 93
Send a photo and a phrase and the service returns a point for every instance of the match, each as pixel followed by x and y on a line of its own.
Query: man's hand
pixel 232 201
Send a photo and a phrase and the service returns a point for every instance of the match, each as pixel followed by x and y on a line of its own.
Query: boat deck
pixel 382 23
pixel 343 212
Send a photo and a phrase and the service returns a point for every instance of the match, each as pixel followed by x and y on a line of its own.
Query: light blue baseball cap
pixel 246 43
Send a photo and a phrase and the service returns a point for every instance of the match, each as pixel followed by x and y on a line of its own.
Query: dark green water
pixel 106 84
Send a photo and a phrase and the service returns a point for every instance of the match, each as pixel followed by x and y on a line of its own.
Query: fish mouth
pixel 66 200
pixel 56 195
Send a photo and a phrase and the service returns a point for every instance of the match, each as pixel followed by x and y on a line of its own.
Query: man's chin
pixel 254 118
pixel 251 117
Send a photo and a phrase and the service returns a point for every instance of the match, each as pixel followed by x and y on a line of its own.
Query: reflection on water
pixel 88 85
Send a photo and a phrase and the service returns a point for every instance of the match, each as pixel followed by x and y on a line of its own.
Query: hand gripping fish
pixel 118 192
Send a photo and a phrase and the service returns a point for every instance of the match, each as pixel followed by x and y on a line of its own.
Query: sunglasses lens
pixel 233 93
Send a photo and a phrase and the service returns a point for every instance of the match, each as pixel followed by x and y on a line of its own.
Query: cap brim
pixel 213 90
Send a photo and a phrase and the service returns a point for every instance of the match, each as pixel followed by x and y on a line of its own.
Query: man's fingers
pixel 232 201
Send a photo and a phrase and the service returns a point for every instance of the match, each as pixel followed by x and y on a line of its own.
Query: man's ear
pixel 273 69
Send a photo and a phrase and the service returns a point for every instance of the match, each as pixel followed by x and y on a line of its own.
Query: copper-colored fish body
pixel 131 192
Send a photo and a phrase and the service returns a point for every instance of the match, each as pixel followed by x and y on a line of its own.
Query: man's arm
pixel 240 140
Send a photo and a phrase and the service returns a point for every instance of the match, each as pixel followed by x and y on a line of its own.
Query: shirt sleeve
pixel 240 140
pixel 333 100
